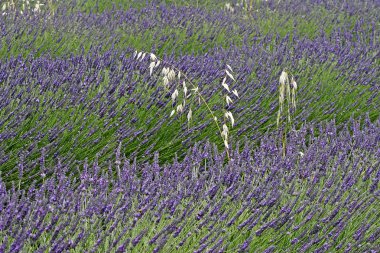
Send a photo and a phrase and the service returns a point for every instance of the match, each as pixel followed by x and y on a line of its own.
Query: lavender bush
pixel 326 200
pixel 91 159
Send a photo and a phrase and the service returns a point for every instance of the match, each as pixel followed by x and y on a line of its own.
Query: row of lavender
pixel 154 25
pixel 75 107
pixel 81 105
pixel 323 197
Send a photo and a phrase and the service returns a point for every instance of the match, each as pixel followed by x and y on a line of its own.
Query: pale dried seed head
pixel 143 56
pixel 228 100
pixel 225 129
pixel 294 84
pixel 189 115
pixel 224 135
pixel 175 95
pixel 180 108
pixel 235 93
pixel 229 67
pixel 229 116
pixel 225 85
pixel 171 74
pixel 179 75
pixel 172 113
pixel 153 57
pixel 166 81
pixel 229 74
pixel 158 63
pixel 138 55
pixel 165 71
pixel 151 66
pixel 226 144
pixel 184 88
pixel 232 119
pixel 229 7
pixel 283 78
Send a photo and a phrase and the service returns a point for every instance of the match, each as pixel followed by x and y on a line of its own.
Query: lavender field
pixel 190 126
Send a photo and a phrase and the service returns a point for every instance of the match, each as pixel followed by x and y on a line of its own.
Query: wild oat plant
pixel 287 98
pixel 171 75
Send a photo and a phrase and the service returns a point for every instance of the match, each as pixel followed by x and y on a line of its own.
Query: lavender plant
pixel 257 202
pixel 85 161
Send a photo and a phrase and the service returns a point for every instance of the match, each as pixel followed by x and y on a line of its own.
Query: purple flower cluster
pixel 165 207
pixel 90 160
pixel 104 96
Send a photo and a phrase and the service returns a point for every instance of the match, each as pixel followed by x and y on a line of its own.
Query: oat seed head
pixel 180 108
pixel 226 144
pixel 229 116
pixel 151 66
pixel 294 83
pixel 225 131
pixel 153 57
pixel 165 71
pixel 235 93
pixel 171 75
pixel 174 95
pixel 230 75
pixel 166 81
pixel 228 100
pixel 283 78
pixel 225 85
pixel 189 115
pixel 184 88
